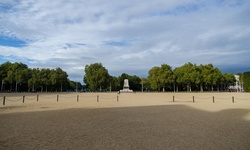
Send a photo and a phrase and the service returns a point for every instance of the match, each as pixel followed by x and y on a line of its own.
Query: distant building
pixel 238 85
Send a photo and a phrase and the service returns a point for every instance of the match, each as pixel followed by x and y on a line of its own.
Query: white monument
pixel 126 86
pixel 238 85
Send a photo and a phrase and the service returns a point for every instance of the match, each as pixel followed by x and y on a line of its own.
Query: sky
pixel 126 36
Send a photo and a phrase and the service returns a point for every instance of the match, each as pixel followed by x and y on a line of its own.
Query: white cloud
pixel 126 36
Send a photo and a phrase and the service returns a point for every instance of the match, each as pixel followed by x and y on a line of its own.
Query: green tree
pixel 17 73
pixel 161 77
pixel 198 79
pixel 207 75
pixel 33 81
pixel 167 76
pixel 154 78
pixel 145 84
pixel 75 86
pixel 187 76
pixel 246 81
pixel 4 68
pixel 58 78
pixel 229 79
pixel 96 76
pixel 134 83
pixel 217 78
pixel 44 75
pixel 114 83
pixel 179 74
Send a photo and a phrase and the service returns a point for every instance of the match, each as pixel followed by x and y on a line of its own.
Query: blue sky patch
pixel 116 43
pixel 72 45
pixel 182 9
pixel 5 8
pixel 11 42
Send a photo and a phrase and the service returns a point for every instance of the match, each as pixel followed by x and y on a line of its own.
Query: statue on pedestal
pixel 126 86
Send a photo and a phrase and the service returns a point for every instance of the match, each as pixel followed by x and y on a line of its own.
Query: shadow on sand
pixel 151 127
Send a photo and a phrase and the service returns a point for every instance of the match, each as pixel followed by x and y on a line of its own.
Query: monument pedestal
pixel 126 90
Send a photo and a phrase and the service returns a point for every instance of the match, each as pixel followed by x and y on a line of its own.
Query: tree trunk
pixel 201 88
pixel 174 87
pixel 16 85
pixel 61 86
pixel 2 85
pixel 41 88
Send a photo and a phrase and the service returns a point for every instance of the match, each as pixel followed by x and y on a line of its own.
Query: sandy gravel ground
pixel 125 121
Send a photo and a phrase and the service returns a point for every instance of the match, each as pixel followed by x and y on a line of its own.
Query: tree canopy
pixel 246 79
pixel 188 77
pixel 96 77
pixel 18 77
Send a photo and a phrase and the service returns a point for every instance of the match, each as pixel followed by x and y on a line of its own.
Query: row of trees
pixel 18 77
pixel 97 78
pixel 189 77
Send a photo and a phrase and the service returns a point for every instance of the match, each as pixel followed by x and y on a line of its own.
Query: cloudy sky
pixel 126 36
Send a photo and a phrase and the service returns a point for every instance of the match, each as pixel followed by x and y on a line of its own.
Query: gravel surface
pixel 115 125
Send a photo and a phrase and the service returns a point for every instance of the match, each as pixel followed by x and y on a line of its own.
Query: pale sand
pixel 133 121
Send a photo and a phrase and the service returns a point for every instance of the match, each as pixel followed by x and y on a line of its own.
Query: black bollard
pixel 173 98
pixel 233 99
pixel 37 98
pixel 4 100
pixel 193 99
pixel 23 98
pixel 213 99
pixel 117 98
pixel 77 99
pixel 57 98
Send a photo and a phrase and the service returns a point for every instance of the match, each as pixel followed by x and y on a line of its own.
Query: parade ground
pixel 134 121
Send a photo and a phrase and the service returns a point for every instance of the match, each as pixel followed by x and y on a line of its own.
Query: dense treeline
pixel 17 77
pixel 189 77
